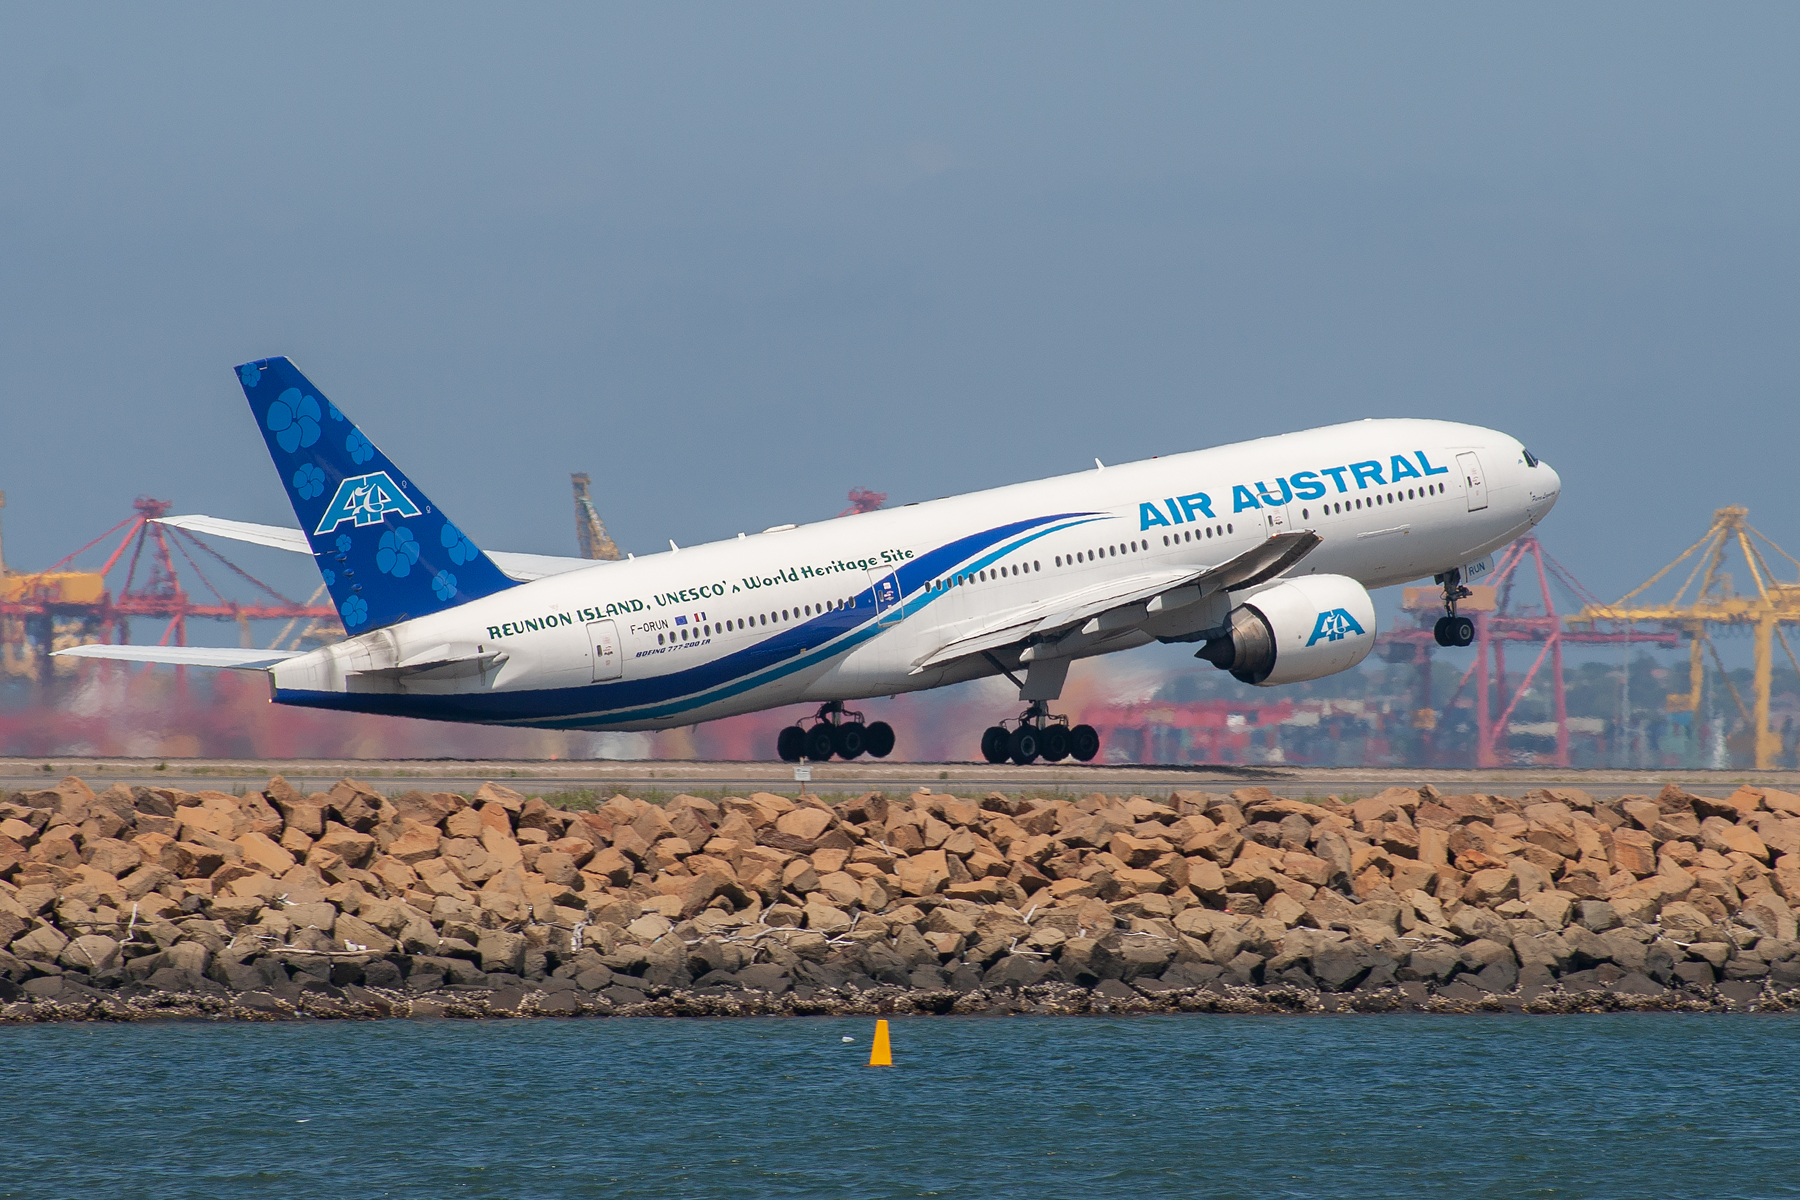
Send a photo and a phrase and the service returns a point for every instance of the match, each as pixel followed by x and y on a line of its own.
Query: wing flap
pixel 1064 610
pixel 1109 608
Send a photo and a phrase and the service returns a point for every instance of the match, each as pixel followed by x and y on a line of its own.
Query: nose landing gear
pixel 1038 734
pixel 836 730
pixel 1452 630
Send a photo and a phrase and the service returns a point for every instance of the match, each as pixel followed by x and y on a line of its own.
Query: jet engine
pixel 1299 629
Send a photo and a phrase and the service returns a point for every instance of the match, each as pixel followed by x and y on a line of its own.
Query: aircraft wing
pixel 185 656
pixel 522 567
pixel 1066 609
pixel 1121 604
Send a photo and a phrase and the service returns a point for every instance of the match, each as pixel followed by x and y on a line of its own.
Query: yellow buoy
pixel 880 1054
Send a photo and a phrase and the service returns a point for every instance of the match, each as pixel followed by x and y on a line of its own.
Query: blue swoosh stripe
pixel 816 640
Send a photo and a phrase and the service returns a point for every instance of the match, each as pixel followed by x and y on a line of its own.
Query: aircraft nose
pixel 1545 490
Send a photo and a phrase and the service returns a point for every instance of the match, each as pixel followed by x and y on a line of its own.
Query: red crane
pixel 46 610
pixel 1506 612
pixel 862 500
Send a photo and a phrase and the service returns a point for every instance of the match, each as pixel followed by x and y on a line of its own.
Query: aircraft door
pixel 1473 480
pixel 1275 519
pixel 886 586
pixel 609 662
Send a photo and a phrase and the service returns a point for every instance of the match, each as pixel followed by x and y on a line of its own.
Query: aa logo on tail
pixel 365 499
pixel 1334 626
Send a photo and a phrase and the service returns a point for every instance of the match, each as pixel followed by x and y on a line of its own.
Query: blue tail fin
pixel 384 549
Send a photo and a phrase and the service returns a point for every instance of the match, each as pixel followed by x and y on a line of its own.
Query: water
pixel 1380 1106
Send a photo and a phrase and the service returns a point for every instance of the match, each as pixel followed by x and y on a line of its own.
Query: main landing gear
pixel 1037 734
pixel 836 731
pixel 1452 630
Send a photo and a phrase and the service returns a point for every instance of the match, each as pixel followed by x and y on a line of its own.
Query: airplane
pixel 1263 553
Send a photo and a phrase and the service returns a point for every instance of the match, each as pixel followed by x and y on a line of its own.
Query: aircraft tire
pixel 1084 743
pixel 1055 743
pixel 995 744
pixel 1462 631
pixel 878 740
pixel 850 740
pixel 1440 633
pixel 1023 746
pixel 790 744
pixel 819 740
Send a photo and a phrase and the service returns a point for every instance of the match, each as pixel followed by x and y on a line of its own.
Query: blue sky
pixel 734 260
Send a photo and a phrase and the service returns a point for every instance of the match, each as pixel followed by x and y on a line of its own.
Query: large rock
pixel 346 843
pixel 354 933
pixel 924 873
pixel 805 824
pixel 1016 971
pixel 92 952
pixel 1436 963
pixel 1490 887
pixel 501 951
pixel 41 944
pixel 265 855
pixel 1716 833
pixel 416 843
pixel 113 856
pixel 1633 850
pixel 1769 915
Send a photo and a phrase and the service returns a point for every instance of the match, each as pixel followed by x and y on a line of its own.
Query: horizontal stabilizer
pixel 279 536
pixel 185 656
pixel 521 567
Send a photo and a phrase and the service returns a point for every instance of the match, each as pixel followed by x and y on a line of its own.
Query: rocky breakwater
pixel 140 902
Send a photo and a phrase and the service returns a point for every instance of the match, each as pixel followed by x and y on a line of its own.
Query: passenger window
pixel 659 638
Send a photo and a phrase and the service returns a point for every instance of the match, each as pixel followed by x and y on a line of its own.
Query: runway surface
pixel 545 777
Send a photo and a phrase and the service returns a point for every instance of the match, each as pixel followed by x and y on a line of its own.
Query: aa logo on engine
pixel 1334 626
pixel 365 499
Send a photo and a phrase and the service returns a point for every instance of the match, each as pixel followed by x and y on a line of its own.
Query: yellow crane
pixel 1707 596
pixel 590 530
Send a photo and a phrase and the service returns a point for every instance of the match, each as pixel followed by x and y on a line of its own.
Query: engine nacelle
pixel 1300 629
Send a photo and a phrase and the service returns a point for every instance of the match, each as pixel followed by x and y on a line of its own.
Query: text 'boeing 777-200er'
pixel 1263 552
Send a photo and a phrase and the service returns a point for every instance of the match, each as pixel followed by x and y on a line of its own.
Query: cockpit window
pixel 1530 458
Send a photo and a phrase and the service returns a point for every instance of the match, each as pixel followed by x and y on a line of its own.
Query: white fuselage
pixel 851 607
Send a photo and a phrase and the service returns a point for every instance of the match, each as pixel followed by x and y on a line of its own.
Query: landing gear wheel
pixel 1022 747
pixel 995 744
pixel 878 740
pixel 1054 743
pixel 1453 631
pixel 790 744
pixel 818 743
pixel 1084 743
pixel 850 740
